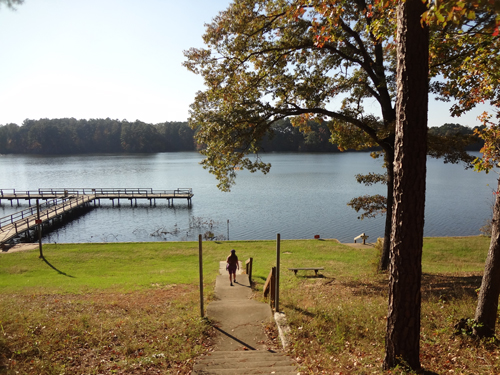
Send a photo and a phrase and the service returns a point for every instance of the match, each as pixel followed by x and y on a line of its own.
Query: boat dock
pixel 59 202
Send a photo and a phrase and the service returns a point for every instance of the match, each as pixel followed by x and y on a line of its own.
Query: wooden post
pixel 277 299
pixel 200 247
pixel 249 266
pixel 39 228
pixel 268 283
pixel 272 287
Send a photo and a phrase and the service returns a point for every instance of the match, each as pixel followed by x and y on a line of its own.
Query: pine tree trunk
pixel 384 258
pixel 403 319
pixel 487 304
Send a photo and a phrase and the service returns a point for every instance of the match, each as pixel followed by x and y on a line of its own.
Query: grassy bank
pixel 133 308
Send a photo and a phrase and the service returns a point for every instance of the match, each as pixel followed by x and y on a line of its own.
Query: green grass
pixel 133 307
pixel 454 254
pixel 77 268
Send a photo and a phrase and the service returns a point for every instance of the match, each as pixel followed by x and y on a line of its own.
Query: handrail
pixel 28 212
pixel 91 191
pixel 45 211
pixel 65 194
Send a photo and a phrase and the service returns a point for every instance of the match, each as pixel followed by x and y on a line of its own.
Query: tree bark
pixel 384 258
pixel 487 305
pixel 403 319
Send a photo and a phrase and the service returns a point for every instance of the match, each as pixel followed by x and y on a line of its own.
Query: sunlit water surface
pixel 304 195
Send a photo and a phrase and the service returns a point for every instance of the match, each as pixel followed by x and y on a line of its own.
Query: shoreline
pixel 32 246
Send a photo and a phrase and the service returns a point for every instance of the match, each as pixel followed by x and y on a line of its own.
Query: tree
pixel 276 59
pixel 403 319
pixel 467 28
pixel 11 3
pixel 487 305
pixel 472 81
pixel 371 205
pixel 267 60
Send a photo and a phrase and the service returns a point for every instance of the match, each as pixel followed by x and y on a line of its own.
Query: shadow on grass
pixel 444 287
pixel 361 288
pixel 447 287
pixel 300 310
pixel 427 372
pixel 318 276
pixel 54 268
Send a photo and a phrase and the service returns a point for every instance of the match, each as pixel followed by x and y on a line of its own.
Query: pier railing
pixel 48 209
pixel 65 192
pixel 59 201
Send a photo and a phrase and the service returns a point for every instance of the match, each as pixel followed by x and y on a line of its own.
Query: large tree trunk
pixel 403 319
pixel 384 258
pixel 487 305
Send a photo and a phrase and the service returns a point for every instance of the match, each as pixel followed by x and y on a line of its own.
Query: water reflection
pixel 303 195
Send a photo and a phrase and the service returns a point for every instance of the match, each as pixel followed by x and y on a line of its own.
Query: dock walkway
pixel 61 201
pixel 11 226
pixel 97 194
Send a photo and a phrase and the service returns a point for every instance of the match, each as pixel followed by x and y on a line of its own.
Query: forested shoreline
pixel 72 136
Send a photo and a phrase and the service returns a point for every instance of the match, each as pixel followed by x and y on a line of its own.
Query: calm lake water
pixel 303 195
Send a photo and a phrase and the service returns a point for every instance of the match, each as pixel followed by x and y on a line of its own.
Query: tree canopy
pixel 266 60
pixel 487 305
pixel 71 136
pixel 11 3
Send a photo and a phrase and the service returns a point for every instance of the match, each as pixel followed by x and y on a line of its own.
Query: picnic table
pixel 315 269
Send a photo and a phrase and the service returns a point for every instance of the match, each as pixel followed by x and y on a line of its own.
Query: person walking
pixel 232 265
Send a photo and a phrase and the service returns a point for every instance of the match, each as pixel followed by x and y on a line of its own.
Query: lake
pixel 304 195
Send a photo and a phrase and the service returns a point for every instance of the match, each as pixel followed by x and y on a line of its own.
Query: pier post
pixel 200 249
pixel 39 222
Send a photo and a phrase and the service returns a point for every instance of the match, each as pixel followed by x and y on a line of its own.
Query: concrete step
pixel 244 362
pixel 245 371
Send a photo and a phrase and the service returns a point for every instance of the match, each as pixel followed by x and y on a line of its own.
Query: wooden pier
pixel 58 202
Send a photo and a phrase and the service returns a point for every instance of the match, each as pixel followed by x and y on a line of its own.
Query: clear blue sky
pixel 110 58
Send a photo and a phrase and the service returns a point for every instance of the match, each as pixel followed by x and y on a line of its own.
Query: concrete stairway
pixel 240 344
pixel 244 362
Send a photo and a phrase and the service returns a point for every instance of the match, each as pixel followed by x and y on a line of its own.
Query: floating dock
pixel 58 202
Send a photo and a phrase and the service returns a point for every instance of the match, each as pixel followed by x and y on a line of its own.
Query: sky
pixel 120 59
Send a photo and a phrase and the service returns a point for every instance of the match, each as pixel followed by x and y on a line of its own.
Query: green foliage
pixel 11 3
pixel 71 136
pixel 371 205
pixel 491 149
pixel 468 53
pixel 267 60
pixel 371 178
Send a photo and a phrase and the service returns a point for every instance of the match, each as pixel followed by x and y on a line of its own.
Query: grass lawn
pixel 134 307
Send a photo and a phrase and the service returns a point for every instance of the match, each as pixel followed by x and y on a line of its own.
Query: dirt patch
pixel 6 249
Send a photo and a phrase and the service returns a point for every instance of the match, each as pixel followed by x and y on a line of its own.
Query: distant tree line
pixel 451 130
pixel 71 136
